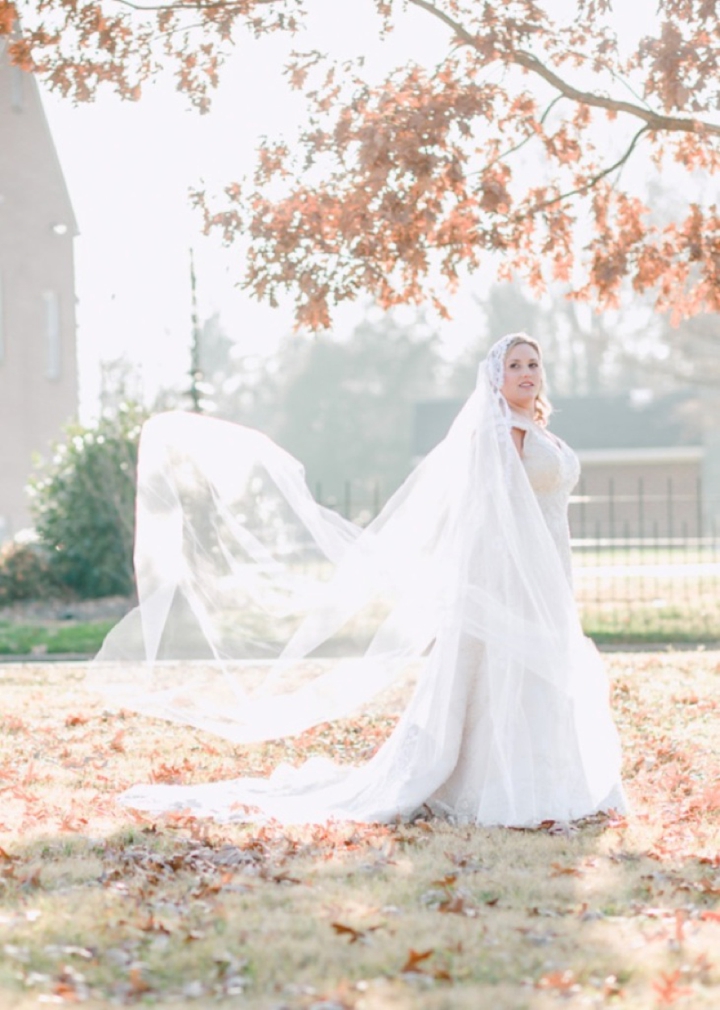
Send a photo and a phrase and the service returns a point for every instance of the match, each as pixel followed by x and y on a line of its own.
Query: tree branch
pixel 520 144
pixel 654 120
pixel 197 5
pixel 593 180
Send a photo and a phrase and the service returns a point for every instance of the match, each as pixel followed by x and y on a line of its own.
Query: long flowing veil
pixel 262 613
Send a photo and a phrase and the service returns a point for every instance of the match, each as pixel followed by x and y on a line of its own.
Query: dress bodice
pixel 553 470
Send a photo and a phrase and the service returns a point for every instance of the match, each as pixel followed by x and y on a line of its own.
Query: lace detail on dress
pixel 553 470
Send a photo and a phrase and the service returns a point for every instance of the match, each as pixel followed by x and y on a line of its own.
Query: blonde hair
pixel 543 407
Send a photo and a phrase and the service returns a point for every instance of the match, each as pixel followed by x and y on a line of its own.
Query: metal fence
pixel 646 562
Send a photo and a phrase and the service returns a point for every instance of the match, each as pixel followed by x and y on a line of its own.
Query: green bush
pixel 83 505
pixel 26 573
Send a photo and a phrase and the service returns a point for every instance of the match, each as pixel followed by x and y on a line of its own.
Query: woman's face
pixel 522 377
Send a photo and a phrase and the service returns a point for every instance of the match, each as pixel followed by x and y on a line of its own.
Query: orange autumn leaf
pixel 352 934
pixel 708 915
pixel 76 720
pixel 561 981
pixel 414 959
pixel 667 989
pixel 558 870
pixel 116 743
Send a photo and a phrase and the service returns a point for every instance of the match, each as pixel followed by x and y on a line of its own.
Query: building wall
pixel 38 367
pixel 640 495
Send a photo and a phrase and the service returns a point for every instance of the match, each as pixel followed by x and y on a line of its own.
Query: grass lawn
pixel 106 908
pixel 617 622
pixel 18 639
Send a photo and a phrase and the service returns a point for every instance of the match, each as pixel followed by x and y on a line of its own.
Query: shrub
pixel 83 505
pixel 26 573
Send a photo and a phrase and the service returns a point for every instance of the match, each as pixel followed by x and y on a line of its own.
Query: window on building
pixel 52 334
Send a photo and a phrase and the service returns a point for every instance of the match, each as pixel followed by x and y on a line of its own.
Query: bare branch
pixel 520 144
pixel 593 180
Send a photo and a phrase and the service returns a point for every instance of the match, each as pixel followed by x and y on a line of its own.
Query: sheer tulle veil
pixel 262 613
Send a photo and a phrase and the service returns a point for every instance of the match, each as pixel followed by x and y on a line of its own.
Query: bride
pixel 262 613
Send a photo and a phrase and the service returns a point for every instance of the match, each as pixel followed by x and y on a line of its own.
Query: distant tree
pixel 120 383
pixel 396 188
pixel 216 349
pixel 346 408
pixel 585 352
pixel 691 352
pixel 83 505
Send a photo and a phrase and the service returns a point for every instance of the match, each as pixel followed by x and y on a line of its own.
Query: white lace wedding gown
pixel 509 721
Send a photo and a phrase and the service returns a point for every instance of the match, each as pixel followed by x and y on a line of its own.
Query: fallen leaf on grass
pixel 667 989
pixel 172 774
pixel 76 720
pixel 73 822
pixel 153 925
pixel 560 981
pixel 710 887
pixel 412 966
pixel 415 958
pixel 709 916
pixel 116 743
pixel 710 860
pixel 457 904
pixel 70 986
pixel 550 913
pixel 353 934
pixel 138 985
pixel 277 876
pixel 447 881
pixel 558 870
pixel 464 861
pixel 611 987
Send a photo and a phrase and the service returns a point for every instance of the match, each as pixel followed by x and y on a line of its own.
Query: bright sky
pixel 129 166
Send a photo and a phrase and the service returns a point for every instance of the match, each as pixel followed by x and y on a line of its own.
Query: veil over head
pixel 262 613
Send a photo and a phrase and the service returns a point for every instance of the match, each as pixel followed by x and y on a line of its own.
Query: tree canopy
pixel 508 152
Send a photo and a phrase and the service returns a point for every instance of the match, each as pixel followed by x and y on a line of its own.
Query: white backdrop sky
pixel 129 167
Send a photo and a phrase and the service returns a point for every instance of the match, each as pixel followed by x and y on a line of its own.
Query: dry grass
pixel 101 908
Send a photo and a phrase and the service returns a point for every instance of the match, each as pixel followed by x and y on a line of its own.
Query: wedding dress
pixel 262 613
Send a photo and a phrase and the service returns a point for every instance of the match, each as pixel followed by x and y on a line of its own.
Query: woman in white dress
pixel 262 613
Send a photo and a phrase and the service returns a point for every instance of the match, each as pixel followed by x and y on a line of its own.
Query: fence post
pixel 582 507
pixel 699 508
